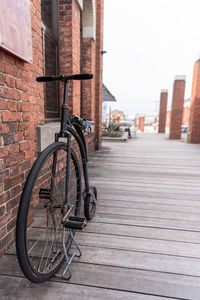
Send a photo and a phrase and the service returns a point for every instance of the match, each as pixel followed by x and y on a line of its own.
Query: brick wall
pixel 69 35
pixel 21 111
pixel 135 122
pixel 194 119
pixel 177 107
pixel 155 123
pixel 88 86
pixel 99 68
pixel 141 121
pixel 163 110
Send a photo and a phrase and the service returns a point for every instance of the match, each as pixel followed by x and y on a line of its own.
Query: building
pixel 117 116
pixel 107 97
pixel 51 37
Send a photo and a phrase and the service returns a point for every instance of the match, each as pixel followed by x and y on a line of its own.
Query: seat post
pixel 64 109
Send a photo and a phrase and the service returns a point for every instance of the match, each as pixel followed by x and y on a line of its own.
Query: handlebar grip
pixel 81 77
pixel 46 78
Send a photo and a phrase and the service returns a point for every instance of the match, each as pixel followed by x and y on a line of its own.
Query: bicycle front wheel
pixel 40 230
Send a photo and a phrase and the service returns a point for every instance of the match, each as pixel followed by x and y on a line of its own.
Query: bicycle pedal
pixel 75 225
pixel 78 219
pixel 44 193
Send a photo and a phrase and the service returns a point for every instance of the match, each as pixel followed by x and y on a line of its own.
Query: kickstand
pixel 69 256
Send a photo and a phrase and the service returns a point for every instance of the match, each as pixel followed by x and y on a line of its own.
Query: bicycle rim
pixel 39 231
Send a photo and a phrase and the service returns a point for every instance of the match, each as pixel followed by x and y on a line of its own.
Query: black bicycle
pixel 49 210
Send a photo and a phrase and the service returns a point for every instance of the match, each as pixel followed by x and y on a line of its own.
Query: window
pixel 50 52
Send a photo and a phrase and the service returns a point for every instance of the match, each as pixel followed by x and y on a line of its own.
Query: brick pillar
pixel 177 108
pixel 135 122
pixel 163 110
pixel 194 119
pixel 141 124
pixel 70 48
pixel 88 86
pixel 99 67
pixel 155 123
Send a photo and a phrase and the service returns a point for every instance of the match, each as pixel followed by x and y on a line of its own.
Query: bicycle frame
pixel 67 131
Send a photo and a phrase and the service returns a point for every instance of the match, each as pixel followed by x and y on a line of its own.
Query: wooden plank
pixel 148 205
pixel 19 288
pixel 136 183
pixel 130 280
pixel 148 213
pixel 148 222
pixel 144 232
pixel 146 181
pixel 135 188
pixel 140 199
pixel 139 260
pixel 142 193
pixel 139 244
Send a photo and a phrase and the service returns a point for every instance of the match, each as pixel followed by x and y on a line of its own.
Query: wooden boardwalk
pixel 144 242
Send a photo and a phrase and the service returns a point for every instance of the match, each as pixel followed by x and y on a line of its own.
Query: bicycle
pixel 49 210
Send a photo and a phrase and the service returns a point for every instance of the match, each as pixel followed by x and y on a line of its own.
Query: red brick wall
pixel 194 119
pixel 99 67
pixel 163 110
pixel 135 122
pixel 88 92
pixel 70 49
pixel 21 110
pixel 155 123
pixel 177 108
pixel 141 124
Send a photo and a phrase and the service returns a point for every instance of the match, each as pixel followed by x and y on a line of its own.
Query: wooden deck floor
pixel 144 242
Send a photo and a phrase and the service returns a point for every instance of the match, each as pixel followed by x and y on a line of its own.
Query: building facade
pixel 116 116
pixel 64 37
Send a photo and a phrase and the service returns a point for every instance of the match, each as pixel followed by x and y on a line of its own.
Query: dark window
pixel 50 52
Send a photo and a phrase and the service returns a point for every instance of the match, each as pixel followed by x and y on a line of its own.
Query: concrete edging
pixel 124 138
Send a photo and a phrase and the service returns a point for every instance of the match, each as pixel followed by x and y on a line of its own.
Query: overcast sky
pixel 148 42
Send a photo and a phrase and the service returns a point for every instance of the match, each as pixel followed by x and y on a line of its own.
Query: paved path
pixel 144 242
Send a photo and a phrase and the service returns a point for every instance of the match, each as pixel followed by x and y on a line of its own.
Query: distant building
pixel 107 97
pixel 117 116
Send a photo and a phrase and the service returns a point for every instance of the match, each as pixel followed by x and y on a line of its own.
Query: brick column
pixel 135 122
pixel 177 108
pixel 194 119
pixel 163 111
pixel 155 123
pixel 88 86
pixel 141 124
pixel 99 67
pixel 70 48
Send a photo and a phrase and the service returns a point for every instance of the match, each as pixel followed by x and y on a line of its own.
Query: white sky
pixel 148 42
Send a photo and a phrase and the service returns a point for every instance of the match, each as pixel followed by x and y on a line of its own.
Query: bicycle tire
pixel 44 204
pixel 89 204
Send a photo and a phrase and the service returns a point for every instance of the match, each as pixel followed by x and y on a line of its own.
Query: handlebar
pixel 65 78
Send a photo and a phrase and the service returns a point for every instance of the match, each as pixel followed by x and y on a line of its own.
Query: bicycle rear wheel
pixel 39 231
pixel 90 202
